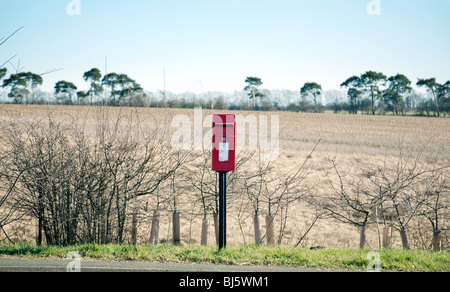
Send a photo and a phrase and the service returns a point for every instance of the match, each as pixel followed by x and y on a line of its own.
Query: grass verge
pixel 332 258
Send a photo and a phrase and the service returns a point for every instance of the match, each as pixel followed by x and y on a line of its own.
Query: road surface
pixel 10 264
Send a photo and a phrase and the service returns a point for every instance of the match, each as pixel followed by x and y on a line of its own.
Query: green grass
pixel 331 259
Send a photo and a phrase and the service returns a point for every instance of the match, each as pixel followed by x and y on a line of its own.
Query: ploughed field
pixel 321 143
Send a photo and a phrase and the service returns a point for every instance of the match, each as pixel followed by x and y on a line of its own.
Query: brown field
pixel 349 139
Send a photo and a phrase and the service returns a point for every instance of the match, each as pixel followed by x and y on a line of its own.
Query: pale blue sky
pixel 218 43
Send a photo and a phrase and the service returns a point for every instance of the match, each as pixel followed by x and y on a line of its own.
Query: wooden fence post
pixel 154 233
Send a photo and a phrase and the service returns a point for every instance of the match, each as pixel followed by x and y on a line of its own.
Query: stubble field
pixel 347 140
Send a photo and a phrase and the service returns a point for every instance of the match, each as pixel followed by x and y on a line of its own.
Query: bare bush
pixel 350 202
pixel 395 193
pixel 272 190
pixel 82 185
pixel 435 194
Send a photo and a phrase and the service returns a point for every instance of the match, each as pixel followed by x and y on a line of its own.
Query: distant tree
pixel 335 100
pixel 398 85
pixel 444 95
pixel 33 80
pixel 128 87
pixel 18 87
pixel 412 100
pixel 111 80
pixel 432 86
pixel 93 77
pixel 371 82
pixel 140 100
pixel 64 91
pixel 220 103
pixel 311 89
pixel 253 83
pixel 121 86
pixel 19 84
pixel 306 105
pixel 81 96
pixel 3 73
pixel 353 83
pixel 353 95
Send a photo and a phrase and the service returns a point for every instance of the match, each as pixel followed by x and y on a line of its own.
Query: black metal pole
pixel 222 210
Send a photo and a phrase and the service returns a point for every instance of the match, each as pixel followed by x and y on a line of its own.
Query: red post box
pixel 224 143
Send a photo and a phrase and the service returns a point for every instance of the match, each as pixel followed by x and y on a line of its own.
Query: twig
pixel 307 231
pixel 11 35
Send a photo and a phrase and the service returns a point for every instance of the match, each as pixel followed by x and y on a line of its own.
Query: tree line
pixel 370 93
pixel 121 87
pixel 394 91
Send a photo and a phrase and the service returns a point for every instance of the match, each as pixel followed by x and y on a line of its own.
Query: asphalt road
pixel 8 264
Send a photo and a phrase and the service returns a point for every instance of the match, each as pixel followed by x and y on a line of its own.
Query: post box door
pixel 224 143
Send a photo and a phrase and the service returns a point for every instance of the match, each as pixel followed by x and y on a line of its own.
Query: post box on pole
pixel 224 143
pixel 223 161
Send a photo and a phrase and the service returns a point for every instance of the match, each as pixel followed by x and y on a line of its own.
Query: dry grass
pixel 350 139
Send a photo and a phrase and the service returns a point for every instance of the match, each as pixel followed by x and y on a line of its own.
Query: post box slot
pixel 224 126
